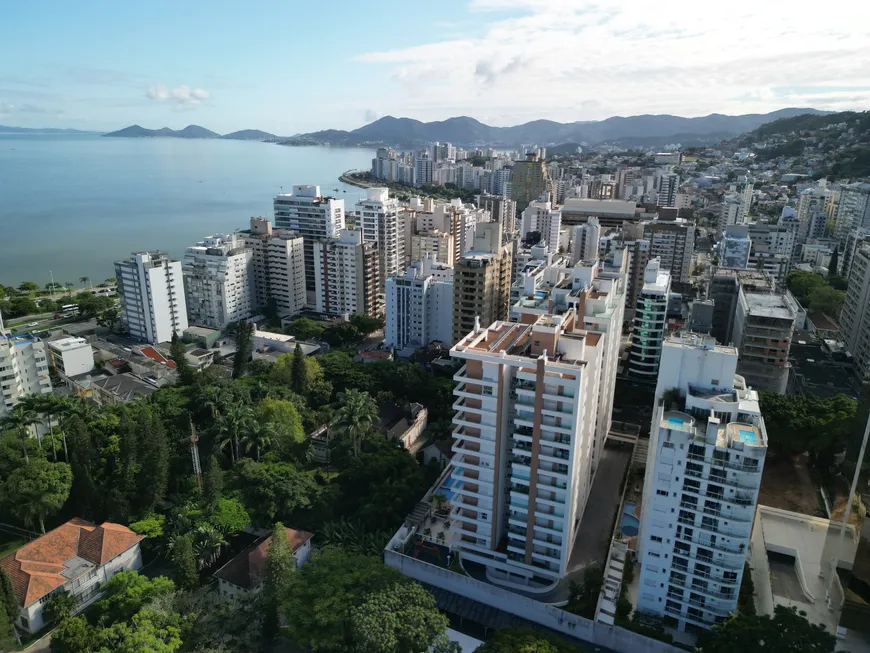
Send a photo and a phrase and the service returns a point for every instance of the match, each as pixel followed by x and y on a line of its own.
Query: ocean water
pixel 70 205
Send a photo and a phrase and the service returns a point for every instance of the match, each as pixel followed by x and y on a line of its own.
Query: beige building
pixel 278 260
pixel 482 281
pixel 347 276
pixel 439 245
pixel 855 317
pixel 533 408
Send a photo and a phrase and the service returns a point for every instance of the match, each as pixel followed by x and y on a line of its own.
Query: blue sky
pixel 290 67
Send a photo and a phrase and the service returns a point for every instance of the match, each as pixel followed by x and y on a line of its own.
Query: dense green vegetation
pixel 817 292
pixel 131 464
pixel 787 631
pixel 527 640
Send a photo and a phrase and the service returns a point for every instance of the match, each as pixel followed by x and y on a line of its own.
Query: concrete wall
pixel 571 625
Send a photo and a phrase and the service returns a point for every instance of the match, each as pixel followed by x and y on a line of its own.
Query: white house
pixel 247 571
pixel 77 557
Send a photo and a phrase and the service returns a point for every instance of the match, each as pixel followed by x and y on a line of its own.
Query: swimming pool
pixel 748 436
pixel 630 525
pixel 448 486
pixel 676 420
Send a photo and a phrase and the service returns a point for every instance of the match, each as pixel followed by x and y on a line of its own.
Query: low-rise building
pixel 71 356
pixel 247 571
pixel 77 558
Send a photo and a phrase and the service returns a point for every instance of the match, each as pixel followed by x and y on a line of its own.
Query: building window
pixel 662 493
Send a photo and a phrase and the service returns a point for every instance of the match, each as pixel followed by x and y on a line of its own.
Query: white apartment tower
pixel 650 320
pixel 706 455
pixel 530 407
pixel 219 281
pixel 853 209
pixel 347 275
pixel 383 224
pixel 855 317
pixel 312 216
pixel 23 368
pixel 419 306
pixel 584 241
pixel 278 258
pixel 540 216
pixel 735 247
pixel 151 290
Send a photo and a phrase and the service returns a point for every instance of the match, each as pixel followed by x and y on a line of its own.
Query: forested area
pixel 132 464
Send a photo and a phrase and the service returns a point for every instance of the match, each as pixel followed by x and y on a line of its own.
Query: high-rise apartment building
pixel 529 181
pixel 151 292
pixel 673 243
pixel 382 223
pixel 855 317
pixel 219 281
pixel 347 275
pixel 584 241
pixel 482 281
pixel 439 245
pixel 853 209
pixel 278 259
pixel 23 368
pixel 313 216
pixel 424 168
pixel 703 472
pixel 650 321
pixel 772 248
pixel 502 210
pixel 735 247
pixel 541 217
pixel 419 306
pixel 533 400
pixel 668 185
pixel 763 325
pixel 812 213
pixel 724 290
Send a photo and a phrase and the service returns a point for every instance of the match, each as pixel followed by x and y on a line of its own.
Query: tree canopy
pixel 527 640
pixel 787 631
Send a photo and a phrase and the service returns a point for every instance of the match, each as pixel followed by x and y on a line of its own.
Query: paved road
pixel 41 646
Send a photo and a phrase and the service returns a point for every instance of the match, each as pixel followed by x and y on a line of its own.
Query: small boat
pixel 335 189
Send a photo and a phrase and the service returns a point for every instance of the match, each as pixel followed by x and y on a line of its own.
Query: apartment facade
pixel 347 274
pixel 706 456
pixel 584 241
pixel 151 291
pixel 673 243
pixel 528 404
pixel 482 281
pixel 541 217
pixel 278 267
pixel 528 181
pixel 219 281
pixel 419 306
pixel 313 216
pixel 855 317
pixel 763 326
pixel 382 223
pixel 650 322
pixel 502 209
pixel 735 247
pixel 853 209
pixel 668 185
pixel 23 368
pixel 438 245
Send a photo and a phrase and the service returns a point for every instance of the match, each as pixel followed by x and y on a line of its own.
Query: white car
pixel 33 324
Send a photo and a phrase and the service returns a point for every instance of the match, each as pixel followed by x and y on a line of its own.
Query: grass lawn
pixel 8 543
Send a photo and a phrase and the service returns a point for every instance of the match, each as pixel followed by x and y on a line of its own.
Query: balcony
pixel 720 462
pixel 700 590
pixel 718 546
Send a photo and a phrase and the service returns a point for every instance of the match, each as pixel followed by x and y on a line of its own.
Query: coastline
pixel 345 178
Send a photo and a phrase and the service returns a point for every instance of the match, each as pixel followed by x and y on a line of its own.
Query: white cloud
pixel 579 60
pixel 182 95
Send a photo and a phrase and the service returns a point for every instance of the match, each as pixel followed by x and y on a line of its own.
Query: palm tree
pixel 18 420
pixel 85 281
pixel 69 285
pixel 356 415
pixel 259 436
pixel 41 406
pixel 208 542
pixel 234 421
pixel 215 398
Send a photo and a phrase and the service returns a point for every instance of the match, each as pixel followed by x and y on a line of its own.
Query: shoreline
pixel 346 179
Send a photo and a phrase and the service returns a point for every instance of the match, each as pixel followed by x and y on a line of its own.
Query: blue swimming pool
pixel 676 420
pixel 749 437
pixel 630 525
pixel 448 486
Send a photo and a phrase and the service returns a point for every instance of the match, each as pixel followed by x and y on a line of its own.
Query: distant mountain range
pixel 644 130
pixel 191 131
pixel 48 130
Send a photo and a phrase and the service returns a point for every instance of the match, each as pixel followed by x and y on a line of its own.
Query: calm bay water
pixel 73 204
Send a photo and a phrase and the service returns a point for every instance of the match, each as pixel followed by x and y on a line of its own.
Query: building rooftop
pixel 68 344
pixel 248 568
pixel 796 554
pixel 768 305
pixel 62 554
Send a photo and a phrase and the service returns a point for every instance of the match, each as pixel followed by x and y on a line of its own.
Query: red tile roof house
pixel 77 557
pixel 247 570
